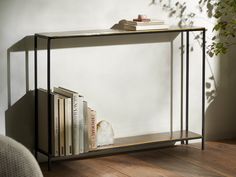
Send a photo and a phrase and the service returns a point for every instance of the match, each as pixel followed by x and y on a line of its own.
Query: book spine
pixel 68 126
pixel 93 130
pixel 81 124
pixel 89 128
pixel 61 127
pixel 75 123
pixel 43 122
pixel 144 23
pixel 55 132
pixel 86 137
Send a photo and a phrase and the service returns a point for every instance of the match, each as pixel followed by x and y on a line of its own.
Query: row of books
pixel 136 25
pixel 73 123
pixel 141 23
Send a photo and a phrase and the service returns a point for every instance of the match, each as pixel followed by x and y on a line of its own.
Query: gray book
pixel 43 122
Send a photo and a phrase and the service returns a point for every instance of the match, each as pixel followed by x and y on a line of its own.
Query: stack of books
pixel 73 123
pixel 141 23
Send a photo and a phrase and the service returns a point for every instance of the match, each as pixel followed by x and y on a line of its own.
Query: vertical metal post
pixel 36 97
pixel 9 77
pixel 203 86
pixel 49 102
pixel 182 78
pixel 187 82
pixel 26 70
pixel 171 89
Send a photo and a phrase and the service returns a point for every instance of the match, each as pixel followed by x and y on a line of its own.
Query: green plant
pixel 224 11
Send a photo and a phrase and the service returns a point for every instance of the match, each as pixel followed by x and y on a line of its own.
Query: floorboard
pixel 218 159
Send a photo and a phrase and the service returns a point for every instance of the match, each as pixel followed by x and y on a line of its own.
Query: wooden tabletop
pixel 112 32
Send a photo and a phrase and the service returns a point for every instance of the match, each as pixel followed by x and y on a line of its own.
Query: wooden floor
pixel 218 159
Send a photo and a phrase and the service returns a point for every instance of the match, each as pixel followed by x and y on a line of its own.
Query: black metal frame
pixel 49 39
pixel 187 82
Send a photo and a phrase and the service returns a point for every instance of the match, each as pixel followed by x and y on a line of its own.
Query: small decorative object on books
pixel 141 23
pixel 105 134
pixel 142 18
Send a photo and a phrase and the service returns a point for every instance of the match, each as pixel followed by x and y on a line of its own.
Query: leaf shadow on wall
pixel 20 115
pixel 221 96
pixel 220 114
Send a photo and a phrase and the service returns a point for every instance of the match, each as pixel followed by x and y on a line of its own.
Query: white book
pixel 81 124
pixel 147 27
pixel 139 23
pixel 76 117
pixel 68 126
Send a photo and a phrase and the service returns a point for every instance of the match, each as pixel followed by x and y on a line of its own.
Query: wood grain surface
pixel 218 159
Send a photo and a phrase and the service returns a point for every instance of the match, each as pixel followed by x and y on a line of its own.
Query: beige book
pixel 43 122
pixel 61 126
pixel 92 129
pixel 88 141
pixel 77 118
pixel 86 136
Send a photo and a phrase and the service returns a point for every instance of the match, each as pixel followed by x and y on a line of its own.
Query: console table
pixel 183 135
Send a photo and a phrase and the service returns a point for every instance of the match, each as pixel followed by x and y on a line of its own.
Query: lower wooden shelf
pixel 151 138
pixel 130 144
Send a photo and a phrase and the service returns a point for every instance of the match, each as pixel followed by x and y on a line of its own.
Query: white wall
pixel 127 85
